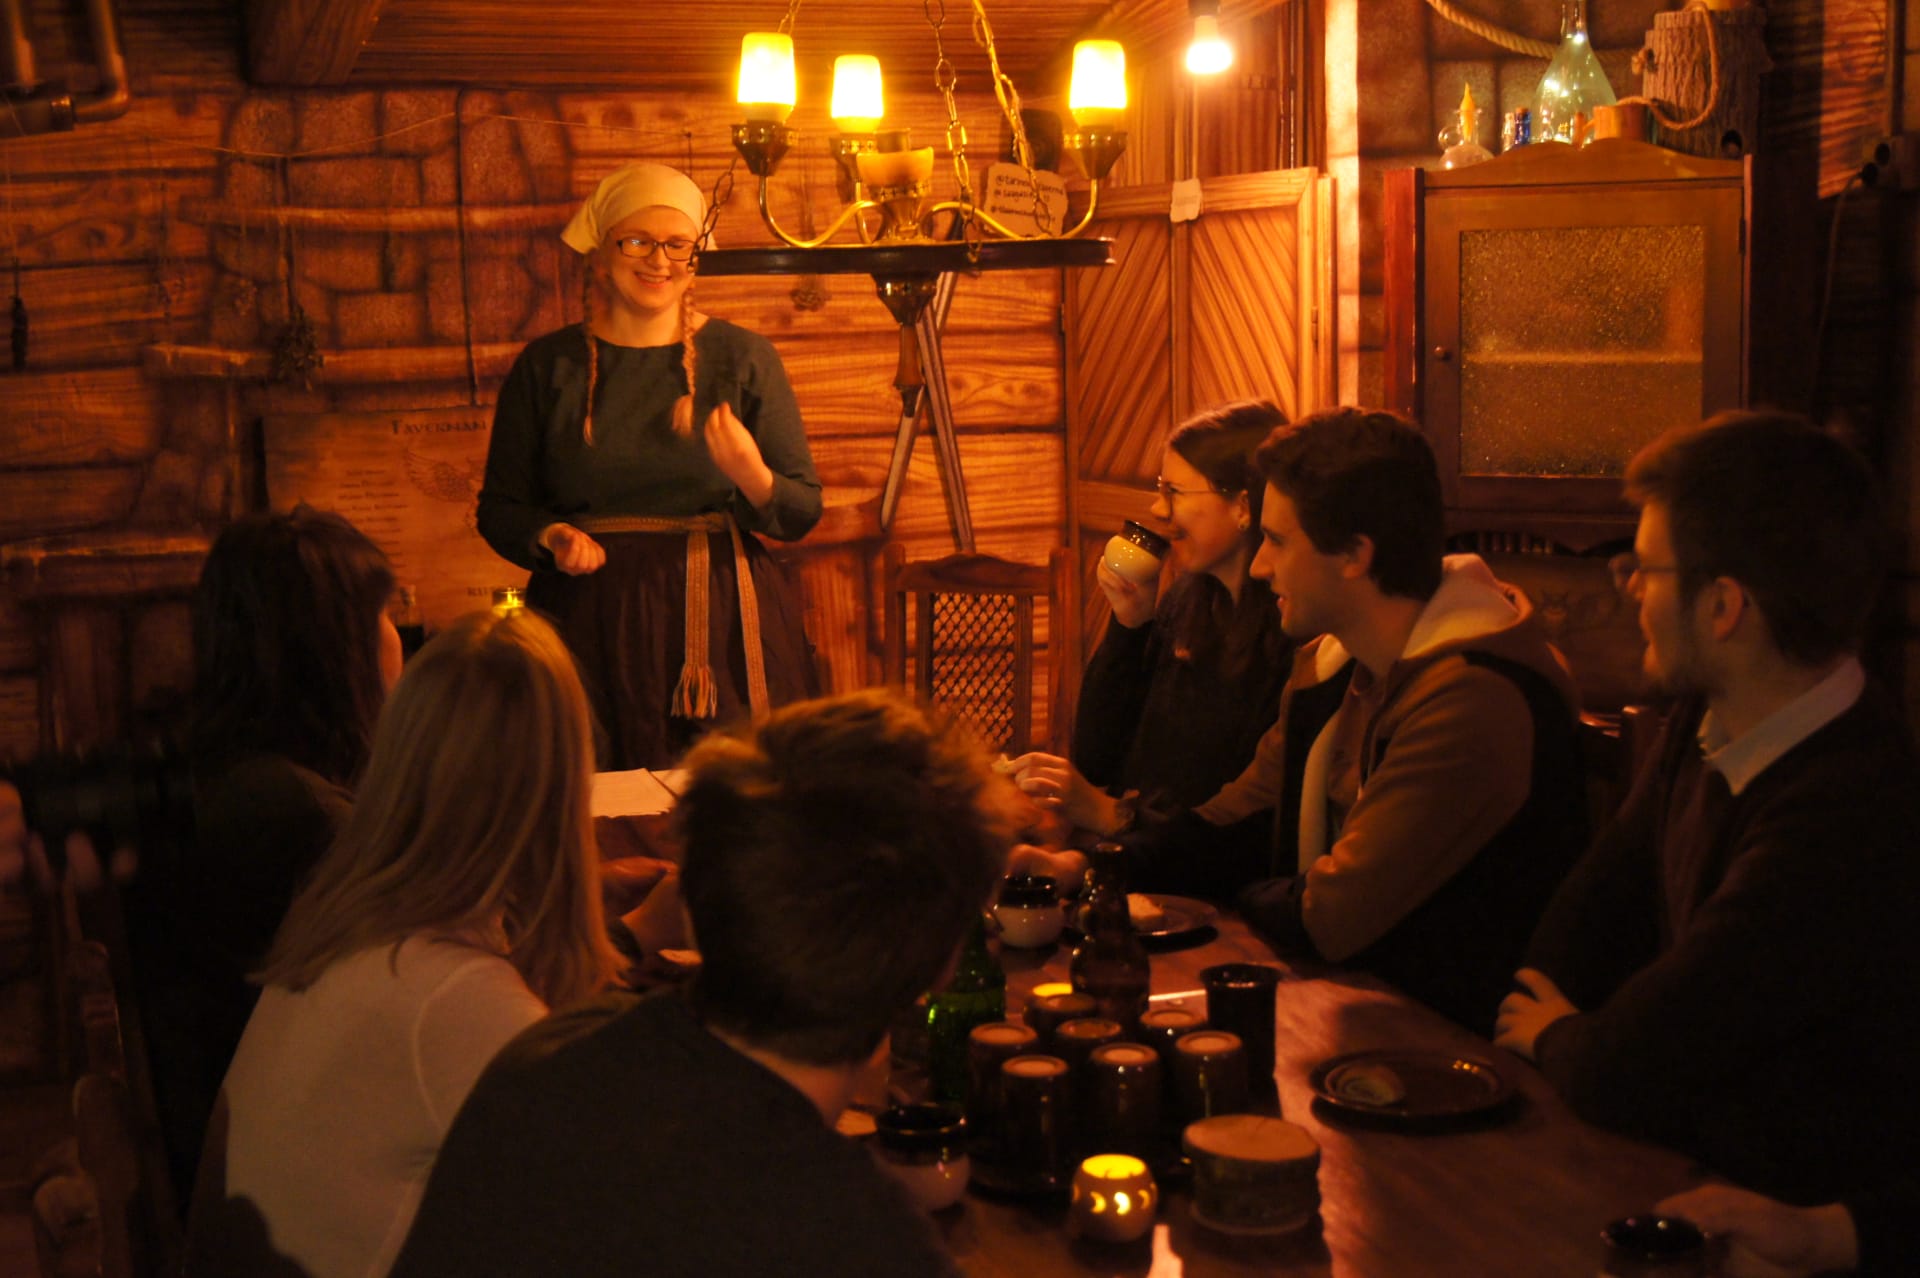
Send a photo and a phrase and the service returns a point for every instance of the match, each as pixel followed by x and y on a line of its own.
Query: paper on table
pixel 641 792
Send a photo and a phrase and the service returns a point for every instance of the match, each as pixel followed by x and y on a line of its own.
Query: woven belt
pixel 696 695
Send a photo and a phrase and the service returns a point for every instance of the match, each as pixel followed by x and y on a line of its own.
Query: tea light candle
pixel 1114 1199
pixel 1052 989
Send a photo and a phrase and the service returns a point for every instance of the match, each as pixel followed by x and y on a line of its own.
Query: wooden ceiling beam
pixel 306 42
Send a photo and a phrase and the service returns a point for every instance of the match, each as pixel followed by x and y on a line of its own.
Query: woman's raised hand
pixel 737 454
pixel 574 552
pixel 1132 605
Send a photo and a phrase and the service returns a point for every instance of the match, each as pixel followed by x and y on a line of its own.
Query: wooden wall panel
pixel 17 647
pixel 84 315
pixel 74 418
pixel 19 716
pixel 1122 351
pixel 35 503
pixel 97 218
pixel 170 137
pixel 1242 351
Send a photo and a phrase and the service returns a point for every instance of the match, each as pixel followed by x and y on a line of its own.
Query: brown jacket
pixel 1446 760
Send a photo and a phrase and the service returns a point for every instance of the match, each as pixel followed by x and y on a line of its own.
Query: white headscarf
pixel 626 191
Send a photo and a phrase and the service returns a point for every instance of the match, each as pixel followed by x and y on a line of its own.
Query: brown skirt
pixel 626 625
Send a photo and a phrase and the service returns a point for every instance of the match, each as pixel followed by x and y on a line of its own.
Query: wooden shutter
pixel 1237 304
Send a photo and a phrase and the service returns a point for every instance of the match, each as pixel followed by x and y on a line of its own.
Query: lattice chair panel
pixel 974 647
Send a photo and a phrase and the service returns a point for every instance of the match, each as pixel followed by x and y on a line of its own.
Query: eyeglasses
pixel 1168 491
pixel 677 250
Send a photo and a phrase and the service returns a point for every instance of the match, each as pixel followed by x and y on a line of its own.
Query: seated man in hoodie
pixel 1424 773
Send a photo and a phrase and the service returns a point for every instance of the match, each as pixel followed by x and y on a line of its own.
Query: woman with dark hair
pixel 636 459
pixel 1182 687
pixel 293 656
pixel 459 902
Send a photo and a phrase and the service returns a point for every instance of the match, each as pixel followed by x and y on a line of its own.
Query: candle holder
pixel 1114 1199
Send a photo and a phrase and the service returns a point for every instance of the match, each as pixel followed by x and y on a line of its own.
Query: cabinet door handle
pixel 1442 354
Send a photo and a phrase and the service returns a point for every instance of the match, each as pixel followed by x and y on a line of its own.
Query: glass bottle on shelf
pixel 1460 140
pixel 1574 83
pixel 976 995
pixel 1110 965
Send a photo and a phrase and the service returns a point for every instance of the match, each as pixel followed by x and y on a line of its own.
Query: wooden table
pixel 1525 1193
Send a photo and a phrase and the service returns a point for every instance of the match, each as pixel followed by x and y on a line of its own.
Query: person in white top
pixel 458 904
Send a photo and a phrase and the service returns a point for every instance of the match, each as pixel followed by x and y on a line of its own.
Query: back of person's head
pixel 1782 507
pixel 1356 472
pixel 473 818
pixel 1221 443
pixel 836 854
pixel 286 641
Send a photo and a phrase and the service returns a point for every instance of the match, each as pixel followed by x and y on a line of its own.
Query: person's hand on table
pixel 1053 782
pixel 735 451
pixel 1132 605
pixel 1067 868
pixel 1528 1011
pixel 574 552
pixel 1766 1239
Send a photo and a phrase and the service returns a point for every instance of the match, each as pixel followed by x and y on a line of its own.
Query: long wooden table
pixel 1524 1193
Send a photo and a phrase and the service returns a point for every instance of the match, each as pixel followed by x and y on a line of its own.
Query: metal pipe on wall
pixel 28 107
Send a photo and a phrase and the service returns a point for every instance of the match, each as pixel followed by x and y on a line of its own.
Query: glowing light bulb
pixel 1209 54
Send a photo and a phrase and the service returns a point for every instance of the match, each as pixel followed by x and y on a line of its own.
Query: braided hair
pixel 690 323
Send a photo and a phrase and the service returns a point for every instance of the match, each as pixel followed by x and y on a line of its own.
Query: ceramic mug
pixel 1135 553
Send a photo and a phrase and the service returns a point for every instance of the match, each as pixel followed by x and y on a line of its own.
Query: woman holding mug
pixel 1184 683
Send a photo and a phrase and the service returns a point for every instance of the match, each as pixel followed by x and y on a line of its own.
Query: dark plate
pixel 1185 916
pixel 1433 1086
pixel 1188 922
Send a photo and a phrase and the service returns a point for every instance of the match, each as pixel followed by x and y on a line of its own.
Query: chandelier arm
pixel 794 241
pixel 974 213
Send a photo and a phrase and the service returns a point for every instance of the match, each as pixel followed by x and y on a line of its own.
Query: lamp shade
pixel 1209 54
pixel 1098 94
pixel 766 76
pixel 857 103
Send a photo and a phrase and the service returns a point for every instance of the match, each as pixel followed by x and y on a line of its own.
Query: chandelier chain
pixel 945 79
pixel 786 23
pixel 1009 98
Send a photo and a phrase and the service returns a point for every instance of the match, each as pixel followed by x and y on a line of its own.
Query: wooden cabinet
pixel 1551 310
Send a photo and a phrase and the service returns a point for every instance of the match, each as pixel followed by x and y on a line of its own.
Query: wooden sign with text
pixel 409 480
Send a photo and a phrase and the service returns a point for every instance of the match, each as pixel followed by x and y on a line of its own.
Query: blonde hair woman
pixel 635 458
pixel 458 904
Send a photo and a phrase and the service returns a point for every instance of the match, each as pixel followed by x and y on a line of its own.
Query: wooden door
pixel 1235 304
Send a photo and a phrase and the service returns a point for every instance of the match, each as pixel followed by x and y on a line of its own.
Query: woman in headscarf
pixel 634 457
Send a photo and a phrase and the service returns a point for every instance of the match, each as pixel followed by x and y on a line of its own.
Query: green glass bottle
pixel 976 995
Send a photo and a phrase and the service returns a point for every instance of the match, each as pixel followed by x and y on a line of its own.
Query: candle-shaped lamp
pixel 766 85
pixel 1114 1199
pixel 1097 97
pixel 857 102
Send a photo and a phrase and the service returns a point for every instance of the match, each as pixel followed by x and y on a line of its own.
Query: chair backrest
pixel 976 645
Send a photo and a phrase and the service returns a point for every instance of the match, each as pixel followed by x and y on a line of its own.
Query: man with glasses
pixel 1733 968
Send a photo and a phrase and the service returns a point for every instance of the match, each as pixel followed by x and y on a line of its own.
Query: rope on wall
pixel 1498 35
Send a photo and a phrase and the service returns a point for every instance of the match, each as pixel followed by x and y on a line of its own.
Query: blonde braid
pixel 690 364
pixel 593 354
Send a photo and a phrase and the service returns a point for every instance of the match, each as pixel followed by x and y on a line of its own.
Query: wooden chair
pixel 975 642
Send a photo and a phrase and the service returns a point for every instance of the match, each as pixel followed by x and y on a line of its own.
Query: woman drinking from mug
pixel 634 457
pixel 1182 685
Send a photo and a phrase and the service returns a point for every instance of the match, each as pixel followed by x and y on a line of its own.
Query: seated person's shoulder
pixel 549 1041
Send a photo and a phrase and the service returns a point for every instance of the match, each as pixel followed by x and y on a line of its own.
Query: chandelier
pixel 889 225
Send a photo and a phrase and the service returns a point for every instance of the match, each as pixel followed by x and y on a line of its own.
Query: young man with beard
pixel 1733 968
